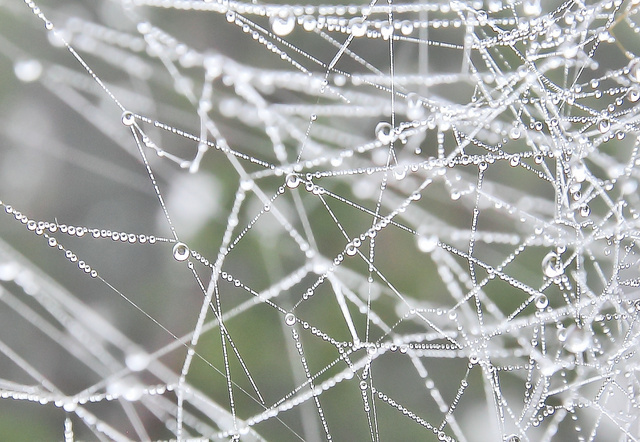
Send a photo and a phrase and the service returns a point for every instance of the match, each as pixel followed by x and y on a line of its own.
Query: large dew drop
pixel 181 251
pixel 28 70
pixel 292 181
pixel 283 25
pixel 634 70
pixel 289 319
pixel 384 132
pixel 552 265
pixel 427 244
pixel 604 126
pixel 358 27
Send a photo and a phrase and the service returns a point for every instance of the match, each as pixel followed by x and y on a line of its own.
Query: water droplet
pixel 283 25
pixel 386 30
pixel 634 70
pixel 246 184
pixel 128 119
pixel 351 249
pixel 552 265
pixel 384 132
pixel 578 339
pixel 514 160
pixel 542 302
pixel 137 361
pixel 531 7
pixel 634 95
pixel 515 133
pixel 604 125
pixel 289 319
pixel 512 438
pixel 585 210
pixel 27 70
pixel 579 172
pixel 292 181
pixel 358 27
pixel 562 334
pixel 415 110
pixel 180 251
pixel 427 244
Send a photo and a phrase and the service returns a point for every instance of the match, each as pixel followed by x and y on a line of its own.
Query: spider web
pixel 383 221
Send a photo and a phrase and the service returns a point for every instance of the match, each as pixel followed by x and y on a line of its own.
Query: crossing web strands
pixel 383 221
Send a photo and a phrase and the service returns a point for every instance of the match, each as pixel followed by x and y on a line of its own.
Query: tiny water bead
pixel 181 251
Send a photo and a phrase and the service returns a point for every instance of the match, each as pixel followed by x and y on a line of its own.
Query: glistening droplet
pixel 384 132
pixel 283 25
pixel 289 319
pixel 542 302
pixel 128 118
pixel 552 265
pixel 292 181
pixel 180 251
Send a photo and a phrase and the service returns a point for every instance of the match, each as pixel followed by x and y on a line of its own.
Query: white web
pixel 386 221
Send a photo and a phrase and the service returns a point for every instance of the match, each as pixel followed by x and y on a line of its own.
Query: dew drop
pixel 358 27
pixel 351 249
pixel 128 118
pixel 562 334
pixel 634 70
pixel 533 8
pixel 542 302
pixel 289 319
pixel 292 181
pixel 514 160
pixel 578 340
pixel 512 438
pixel 427 244
pixel 515 133
pixel 283 25
pixel 27 70
pixel 585 210
pixel 137 361
pixel 552 265
pixel 603 126
pixel 246 184
pixel 579 172
pixel 384 132
pixel 482 18
pixel 180 251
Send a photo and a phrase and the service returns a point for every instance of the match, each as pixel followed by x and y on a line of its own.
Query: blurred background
pixel 415 223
